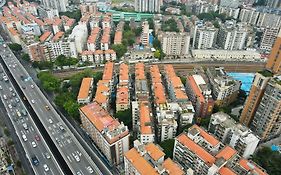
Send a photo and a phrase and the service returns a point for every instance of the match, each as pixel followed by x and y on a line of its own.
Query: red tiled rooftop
pixel 108 71
pixel 45 36
pixel 85 88
pixel 209 138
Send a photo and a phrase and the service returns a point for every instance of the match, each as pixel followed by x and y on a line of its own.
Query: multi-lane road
pixel 69 147
pixel 31 139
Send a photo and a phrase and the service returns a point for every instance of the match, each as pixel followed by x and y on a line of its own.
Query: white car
pixel 10 106
pixel 32 101
pixel 32 86
pixel 47 155
pixel 50 121
pixel 90 169
pixel 46 168
pixel 34 145
pixel 24 137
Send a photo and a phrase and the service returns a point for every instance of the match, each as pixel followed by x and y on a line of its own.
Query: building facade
pixel 175 44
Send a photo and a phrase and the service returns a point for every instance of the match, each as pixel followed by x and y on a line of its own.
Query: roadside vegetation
pixel 65 92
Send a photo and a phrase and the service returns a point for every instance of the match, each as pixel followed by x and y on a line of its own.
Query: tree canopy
pixel 120 49
pixel 126 117
pixel 62 60
pixel 168 146
pixel 15 47
pixel 269 160
pixel 170 26
pixel 25 57
pixel 49 82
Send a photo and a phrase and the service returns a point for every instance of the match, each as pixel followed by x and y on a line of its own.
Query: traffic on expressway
pixel 37 151
pixel 77 159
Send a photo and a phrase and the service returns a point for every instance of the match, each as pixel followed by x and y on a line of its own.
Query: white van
pixel 24 137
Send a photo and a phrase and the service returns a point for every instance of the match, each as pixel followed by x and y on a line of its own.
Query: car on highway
pixel 35 161
pixel 24 137
pixel 32 101
pixel 5 97
pixel 10 89
pixel 50 121
pixel 90 170
pixel 76 157
pixel 32 86
pixel 34 145
pixel 10 106
pixel 17 100
pixel 24 125
pixel 47 107
pixel 47 155
pixel 37 137
pixel 23 112
pixel 1 88
pixel 13 94
pixel 46 168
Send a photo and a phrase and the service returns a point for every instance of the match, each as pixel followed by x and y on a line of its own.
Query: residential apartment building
pixel 60 5
pixel 123 96
pixel 145 33
pixel 233 134
pixel 274 3
pixel 105 86
pixel 249 16
pixel 152 6
pixel 175 88
pixel 166 120
pixel 105 39
pixel 254 98
pixel 199 93
pixel 267 19
pixel 274 60
pixel 85 92
pixel 93 39
pixel 79 35
pixel 198 153
pixel 145 129
pixel 268 38
pixel 205 36
pixel 225 89
pixel 149 159
pixel 108 134
pixel 176 44
pixel 232 36
pixel 267 119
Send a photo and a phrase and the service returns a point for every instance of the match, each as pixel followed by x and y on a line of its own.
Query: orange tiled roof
pixel 226 153
pixel 101 119
pixel 124 72
pixel 13 31
pixel 87 52
pixel 109 51
pixel 254 168
pixel 118 37
pixel 45 36
pixel 196 149
pixel 98 52
pixel 139 71
pixel 85 88
pixel 48 21
pixel 159 93
pixel 209 138
pixel 92 38
pixel 102 92
pixel 108 71
pixel 57 36
pixel 122 95
pixel 141 165
pixel 145 122
pixel 180 94
pixel 57 21
pixel 195 89
pixel 155 74
pixel 105 38
pixel 172 167
pixel 226 171
pixel 154 151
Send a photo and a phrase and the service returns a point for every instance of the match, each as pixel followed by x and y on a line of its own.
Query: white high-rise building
pixel 249 15
pixel 204 36
pixel 232 36
pixel 235 135
pixel 79 35
pixel 145 33
pixel 268 38
pixel 61 5
pixel 175 43
pixel 148 5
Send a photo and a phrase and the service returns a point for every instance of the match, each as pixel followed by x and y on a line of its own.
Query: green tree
pixel 72 107
pixel 204 122
pixel 43 65
pixel 7 132
pixel 206 16
pixel 10 142
pixel 183 80
pixel 49 82
pixel 157 54
pixel 216 24
pixel 18 163
pixel 269 160
pixel 61 61
pixel 168 146
pixel 120 49
pixel 156 43
pixel 126 117
pixel 137 31
pixel 74 14
pixel 25 57
pixel 15 47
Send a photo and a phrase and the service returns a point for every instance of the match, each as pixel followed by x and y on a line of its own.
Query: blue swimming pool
pixel 245 78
